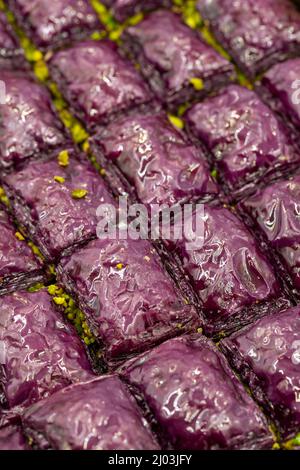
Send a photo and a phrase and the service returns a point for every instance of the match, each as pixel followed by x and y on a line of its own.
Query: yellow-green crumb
pixel 79 193
pixel 176 121
pixel 59 179
pixel 63 158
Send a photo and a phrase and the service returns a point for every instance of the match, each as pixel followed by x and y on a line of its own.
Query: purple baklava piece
pixel 40 353
pixel 178 64
pixel 11 53
pixel 18 266
pixel 274 211
pixel 97 415
pixel 267 357
pixel 29 125
pixel 244 136
pixel 54 23
pixel 281 88
pixel 129 300
pixel 56 201
pixel 257 33
pixel 12 438
pixel 98 83
pixel 230 274
pixel 195 398
pixel 156 159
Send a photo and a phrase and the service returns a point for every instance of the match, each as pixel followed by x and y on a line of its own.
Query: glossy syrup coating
pixel 57 204
pixel 245 137
pixel 11 54
pixel 97 82
pixel 157 159
pixel 275 211
pixel 172 56
pixel 122 9
pixel 267 355
pixel 197 401
pixel 16 258
pixel 282 84
pixel 129 300
pixel 257 33
pixel 40 353
pixel 55 22
pixel 227 269
pixel 29 126
pixel 97 415
pixel 12 438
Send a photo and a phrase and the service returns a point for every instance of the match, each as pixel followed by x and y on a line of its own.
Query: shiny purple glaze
pixel 282 82
pixel 197 401
pixel 122 9
pixel 129 300
pixel 55 22
pixel 11 54
pixel 54 218
pixel 17 262
pixel 97 415
pixel 245 137
pixel 157 159
pixel 257 33
pixel 275 211
pixel 29 125
pixel 267 355
pixel 170 54
pixel 97 82
pixel 11 438
pixel 228 270
pixel 40 353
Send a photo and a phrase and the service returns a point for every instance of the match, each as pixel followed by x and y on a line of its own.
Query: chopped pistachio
pixel 19 236
pixel 197 83
pixel 102 172
pixel 79 193
pixel 59 300
pixel 59 179
pixel 120 266
pixel 63 158
pixel 176 121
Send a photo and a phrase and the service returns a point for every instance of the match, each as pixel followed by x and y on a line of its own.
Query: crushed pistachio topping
pixel 176 121
pixel 36 251
pixel 200 331
pixel 79 193
pixel 72 313
pixel 36 287
pixel 209 38
pixel 78 132
pixel 102 172
pixel 197 83
pixel 63 158
pixel 214 173
pixel 59 179
pixel 105 15
pixel 86 146
pixel 292 443
pixel 3 197
pixel 19 236
pixel 120 266
pixel 98 35
pixel 41 70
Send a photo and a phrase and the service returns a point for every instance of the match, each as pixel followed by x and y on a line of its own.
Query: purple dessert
pixel 195 398
pixel 257 33
pixel 18 266
pixel 267 356
pixel 275 211
pixel 11 53
pixel 97 415
pixel 122 9
pixel 40 353
pixel 244 136
pixel 129 300
pixel 29 125
pixel 281 88
pixel 54 23
pixel 180 67
pixel 232 277
pixel 12 438
pixel 98 83
pixel 56 201
pixel 156 158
